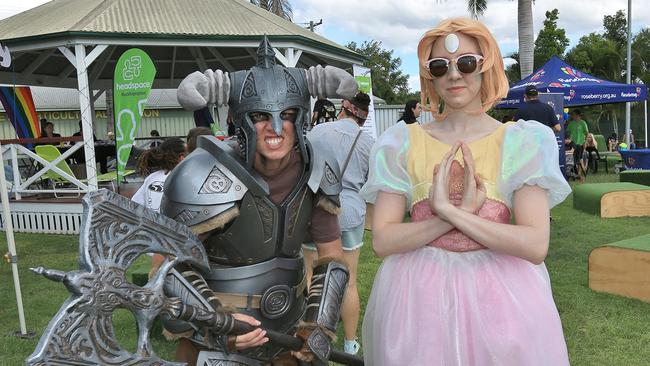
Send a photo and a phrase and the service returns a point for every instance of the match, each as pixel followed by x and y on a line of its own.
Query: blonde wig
pixel 494 84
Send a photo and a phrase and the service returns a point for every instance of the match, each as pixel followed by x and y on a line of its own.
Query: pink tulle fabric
pixel 455 302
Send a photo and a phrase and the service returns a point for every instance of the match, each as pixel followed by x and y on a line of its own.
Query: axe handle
pixel 295 343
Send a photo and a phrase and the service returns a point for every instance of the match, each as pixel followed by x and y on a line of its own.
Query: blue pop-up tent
pixel 579 88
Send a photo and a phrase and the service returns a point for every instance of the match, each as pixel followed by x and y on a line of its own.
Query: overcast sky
pixel 399 24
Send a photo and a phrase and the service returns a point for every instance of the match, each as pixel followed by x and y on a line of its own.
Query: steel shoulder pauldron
pixel 325 178
pixel 203 190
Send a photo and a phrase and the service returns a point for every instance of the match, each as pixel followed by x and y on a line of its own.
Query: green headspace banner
pixel 134 75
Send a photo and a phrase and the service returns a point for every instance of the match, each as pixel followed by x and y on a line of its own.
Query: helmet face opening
pixel 269 92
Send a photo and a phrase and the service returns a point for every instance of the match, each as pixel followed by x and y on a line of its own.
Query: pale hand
pixel 439 194
pixel 474 192
pixel 251 339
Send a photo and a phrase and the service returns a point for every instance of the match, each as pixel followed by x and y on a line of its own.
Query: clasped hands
pixel 467 193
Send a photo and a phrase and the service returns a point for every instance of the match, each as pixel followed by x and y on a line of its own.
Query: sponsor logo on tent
pixel 569 71
pixel 559 85
pixel 572 94
pixel 538 75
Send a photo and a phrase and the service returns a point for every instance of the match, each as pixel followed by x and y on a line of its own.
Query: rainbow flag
pixel 19 106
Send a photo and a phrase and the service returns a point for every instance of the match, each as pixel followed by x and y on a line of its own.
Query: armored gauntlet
pixel 328 285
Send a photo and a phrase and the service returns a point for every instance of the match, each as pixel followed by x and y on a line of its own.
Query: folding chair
pixel 51 153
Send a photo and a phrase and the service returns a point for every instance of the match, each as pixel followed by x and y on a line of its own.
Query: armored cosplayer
pixel 254 204
pixel 232 284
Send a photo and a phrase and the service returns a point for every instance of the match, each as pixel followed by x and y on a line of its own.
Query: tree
pixel 641 56
pixel 526 37
pixel 512 72
pixel 616 28
pixel 551 40
pixel 281 8
pixel 388 81
pixel 524 30
pixel 598 56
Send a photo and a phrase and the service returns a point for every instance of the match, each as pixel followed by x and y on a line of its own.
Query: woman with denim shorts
pixel 352 149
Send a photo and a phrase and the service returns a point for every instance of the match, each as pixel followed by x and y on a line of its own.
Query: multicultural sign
pixel 363 78
pixel 134 75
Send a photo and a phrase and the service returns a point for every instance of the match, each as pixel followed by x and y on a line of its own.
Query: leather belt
pixel 250 301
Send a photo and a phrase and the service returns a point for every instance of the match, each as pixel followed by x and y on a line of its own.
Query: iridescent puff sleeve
pixel 530 156
pixel 388 165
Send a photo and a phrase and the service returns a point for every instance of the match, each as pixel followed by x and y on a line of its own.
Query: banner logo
pixel 132 67
pixel 134 76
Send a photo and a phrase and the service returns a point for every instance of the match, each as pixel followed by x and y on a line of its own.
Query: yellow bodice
pixel 425 152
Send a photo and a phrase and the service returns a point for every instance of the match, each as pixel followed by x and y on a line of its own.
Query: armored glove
pixel 198 89
pixel 318 329
pixel 330 81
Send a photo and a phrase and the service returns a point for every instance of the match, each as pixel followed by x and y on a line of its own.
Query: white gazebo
pixel 76 44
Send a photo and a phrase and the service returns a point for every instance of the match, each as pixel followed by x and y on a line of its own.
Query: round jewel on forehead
pixel 451 43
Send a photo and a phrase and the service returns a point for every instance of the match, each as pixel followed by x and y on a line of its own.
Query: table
pixel 103 151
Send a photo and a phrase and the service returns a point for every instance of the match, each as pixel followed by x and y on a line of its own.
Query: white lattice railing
pixel 50 218
pixel 20 155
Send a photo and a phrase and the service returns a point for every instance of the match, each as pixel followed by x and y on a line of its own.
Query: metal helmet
pixel 272 89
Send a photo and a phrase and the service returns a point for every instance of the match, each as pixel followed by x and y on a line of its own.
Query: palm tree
pixel 281 8
pixel 525 30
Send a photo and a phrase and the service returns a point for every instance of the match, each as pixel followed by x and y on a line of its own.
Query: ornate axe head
pixel 114 233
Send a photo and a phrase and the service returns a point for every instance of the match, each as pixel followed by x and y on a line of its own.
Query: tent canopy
pixel 579 88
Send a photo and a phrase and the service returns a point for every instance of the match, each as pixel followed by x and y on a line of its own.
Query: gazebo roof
pixel 180 36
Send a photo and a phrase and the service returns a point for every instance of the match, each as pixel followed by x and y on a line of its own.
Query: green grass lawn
pixel 600 329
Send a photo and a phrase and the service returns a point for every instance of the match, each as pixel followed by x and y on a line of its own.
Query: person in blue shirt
pixel 535 110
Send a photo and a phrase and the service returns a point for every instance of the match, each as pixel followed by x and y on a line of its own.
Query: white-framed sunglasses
pixel 466 64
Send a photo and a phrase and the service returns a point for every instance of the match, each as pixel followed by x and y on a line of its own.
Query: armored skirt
pixel 455 302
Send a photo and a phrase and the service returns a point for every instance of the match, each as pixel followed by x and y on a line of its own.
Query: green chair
pixel 604 153
pixel 50 153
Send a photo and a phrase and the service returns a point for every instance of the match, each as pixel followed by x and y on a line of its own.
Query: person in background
pixel 632 144
pixel 592 155
pixel 80 132
pixel 193 135
pixel 411 113
pixel 156 141
pixel 156 164
pixel 577 128
pixel 612 142
pixel 232 130
pixel 324 111
pixel 43 122
pixel 573 170
pixel 534 110
pixel 48 131
pixel 351 146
